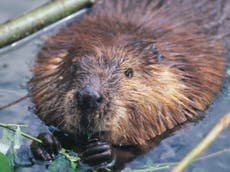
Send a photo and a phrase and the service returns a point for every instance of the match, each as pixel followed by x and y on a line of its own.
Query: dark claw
pixel 96 149
pixel 97 153
pixel 48 149
pixel 98 159
pixel 96 144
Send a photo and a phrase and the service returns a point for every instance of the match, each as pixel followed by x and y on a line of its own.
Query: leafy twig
pixel 74 159
pixel 9 126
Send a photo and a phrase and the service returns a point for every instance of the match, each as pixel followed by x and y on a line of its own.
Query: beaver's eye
pixel 129 73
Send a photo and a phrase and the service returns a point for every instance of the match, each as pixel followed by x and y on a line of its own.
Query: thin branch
pixel 13 125
pixel 203 145
pixel 22 133
pixel 14 102
pixel 36 19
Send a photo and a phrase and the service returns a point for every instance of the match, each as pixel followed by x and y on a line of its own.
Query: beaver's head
pixel 126 91
pixel 132 89
pixel 120 91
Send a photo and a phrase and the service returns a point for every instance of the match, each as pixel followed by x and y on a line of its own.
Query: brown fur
pixel 177 58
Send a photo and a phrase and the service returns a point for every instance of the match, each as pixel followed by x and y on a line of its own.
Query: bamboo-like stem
pixel 151 169
pixel 13 125
pixel 34 20
pixel 8 126
pixel 203 145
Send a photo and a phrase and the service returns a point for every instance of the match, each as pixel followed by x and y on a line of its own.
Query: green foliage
pixel 10 155
pixel 5 141
pixel 66 161
pixel 11 148
pixel 13 154
pixel 5 165
pixel 72 157
pixel 18 139
pixel 16 154
pixel 60 164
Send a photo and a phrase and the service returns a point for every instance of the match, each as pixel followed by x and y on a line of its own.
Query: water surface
pixel 15 71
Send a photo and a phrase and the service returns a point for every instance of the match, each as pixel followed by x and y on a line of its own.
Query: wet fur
pixel 175 48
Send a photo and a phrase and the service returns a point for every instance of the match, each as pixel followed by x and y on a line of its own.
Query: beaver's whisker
pixel 50 110
pixel 45 85
pixel 61 123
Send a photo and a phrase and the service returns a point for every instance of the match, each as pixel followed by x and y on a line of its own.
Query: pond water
pixel 15 65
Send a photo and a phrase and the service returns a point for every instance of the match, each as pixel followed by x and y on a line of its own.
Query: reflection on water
pixel 15 72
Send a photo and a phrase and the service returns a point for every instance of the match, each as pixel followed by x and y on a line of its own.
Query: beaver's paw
pixel 48 149
pixel 97 153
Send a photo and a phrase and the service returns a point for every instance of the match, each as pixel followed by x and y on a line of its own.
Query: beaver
pixel 128 72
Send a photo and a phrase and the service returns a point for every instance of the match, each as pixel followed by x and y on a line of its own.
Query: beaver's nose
pixel 88 99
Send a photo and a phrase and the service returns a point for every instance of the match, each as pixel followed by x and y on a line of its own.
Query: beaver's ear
pixel 156 53
pixel 148 47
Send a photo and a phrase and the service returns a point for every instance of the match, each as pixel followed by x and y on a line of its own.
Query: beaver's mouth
pixel 90 126
pixel 95 122
pixel 87 120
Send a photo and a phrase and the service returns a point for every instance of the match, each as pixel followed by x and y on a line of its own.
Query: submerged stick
pixel 203 145
pixel 36 19
pixel 13 102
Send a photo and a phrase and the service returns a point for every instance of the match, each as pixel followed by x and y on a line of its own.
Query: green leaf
pixel 73 165
pixel 4 148
pixel 60 164
pixel 10 155
pixel 17 139
pixel 108 169
pixel 4 164
pixel 7 136
pixel 70 155
pixel 5 141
